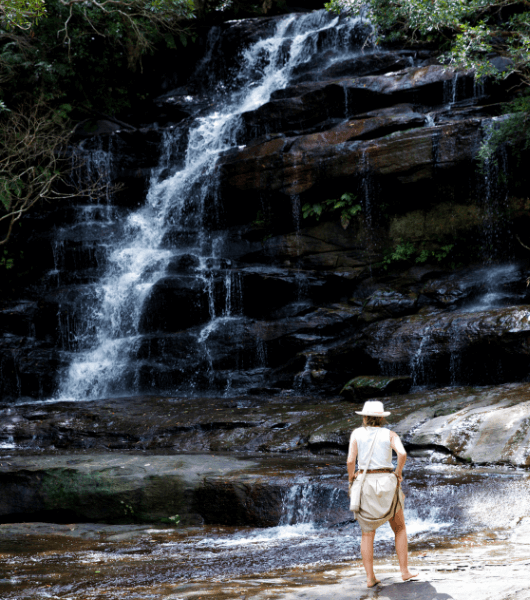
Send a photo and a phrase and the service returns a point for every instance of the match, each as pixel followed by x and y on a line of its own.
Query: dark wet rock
pixel 28 367
pixel 285 338
pixel 364 387
pixel 328 245
pixel 81 531
pixel 241 502
pixel 310 106
pixel 18 318
pixel 464 423
pixel 153 488
pixel 484 346
pixel 326 320
pixel 91 128
pixel 184 263
pixel 165 361
pixel 384 304
pixel 389 111
pixel 304 105
pixel 134 148
pixel 64 313
pixel 264 290
pixel 178 104
pixel 444 221
pixel 199 424
pixel 323 368
pixel 461 110
pixel 72 256
pixel 370 63
pixel 453 289
pixel 134 488
pixel 175 303
pixel 468 285
pixel 295 165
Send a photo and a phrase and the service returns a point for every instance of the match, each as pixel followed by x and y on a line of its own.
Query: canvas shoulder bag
pixel 355 490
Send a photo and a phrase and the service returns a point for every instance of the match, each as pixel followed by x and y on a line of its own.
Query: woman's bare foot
pixel 408 575
pixel 370 583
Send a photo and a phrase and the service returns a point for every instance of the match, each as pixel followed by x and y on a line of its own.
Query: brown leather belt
pixel 378 471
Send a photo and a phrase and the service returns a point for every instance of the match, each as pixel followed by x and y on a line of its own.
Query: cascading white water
pixel 138 257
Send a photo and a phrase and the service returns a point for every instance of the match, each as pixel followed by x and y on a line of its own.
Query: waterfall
pixel 495 199
pixel 307 503
pixel 114 352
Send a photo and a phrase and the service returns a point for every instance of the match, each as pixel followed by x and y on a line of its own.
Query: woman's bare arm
pixel 397 446
pixel 352 457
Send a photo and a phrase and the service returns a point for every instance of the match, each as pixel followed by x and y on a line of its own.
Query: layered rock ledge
pixel 466 425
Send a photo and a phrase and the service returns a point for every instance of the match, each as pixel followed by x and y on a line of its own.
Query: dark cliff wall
pixel 320 304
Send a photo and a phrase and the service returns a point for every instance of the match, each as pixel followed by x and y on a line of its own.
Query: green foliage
pixel 261 220
pixel 6 262
pixel 401 252
pixel 175 520
pixel 438 255
pixel 127 509
pixel 84 53
pixel 471 33
pixel 513 125
pixel 346 205
pixel 407 251
pixel 21 14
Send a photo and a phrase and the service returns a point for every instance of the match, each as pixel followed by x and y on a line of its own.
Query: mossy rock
pixel 364 387
pixel 436 225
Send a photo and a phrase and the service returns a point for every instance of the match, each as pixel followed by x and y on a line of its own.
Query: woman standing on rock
pixel 381 497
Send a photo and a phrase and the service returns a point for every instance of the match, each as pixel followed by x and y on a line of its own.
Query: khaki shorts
pixel 381 499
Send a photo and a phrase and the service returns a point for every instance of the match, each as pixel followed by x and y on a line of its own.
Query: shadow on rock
pixel 413 590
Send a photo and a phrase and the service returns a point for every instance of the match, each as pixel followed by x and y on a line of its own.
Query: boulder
pixel 476 425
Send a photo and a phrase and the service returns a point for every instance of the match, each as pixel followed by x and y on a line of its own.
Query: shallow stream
pixel 446 507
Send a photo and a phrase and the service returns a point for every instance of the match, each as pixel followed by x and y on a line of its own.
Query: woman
pixel 381 499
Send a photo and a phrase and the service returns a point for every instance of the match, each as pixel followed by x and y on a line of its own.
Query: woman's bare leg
pixel 402 550
pixel 367 552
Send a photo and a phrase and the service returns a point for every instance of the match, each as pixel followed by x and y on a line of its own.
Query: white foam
pixel 136 260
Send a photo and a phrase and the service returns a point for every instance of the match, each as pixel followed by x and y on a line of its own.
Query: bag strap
pixel 368 462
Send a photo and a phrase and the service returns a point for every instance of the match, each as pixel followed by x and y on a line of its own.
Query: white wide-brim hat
pixel 373 408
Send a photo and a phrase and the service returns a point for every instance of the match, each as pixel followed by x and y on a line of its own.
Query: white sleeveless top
pixel 382 455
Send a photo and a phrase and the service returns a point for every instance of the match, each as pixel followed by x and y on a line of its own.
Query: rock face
pixel 137 488
pixel 241 296
pixel 481 426
pixel 454 425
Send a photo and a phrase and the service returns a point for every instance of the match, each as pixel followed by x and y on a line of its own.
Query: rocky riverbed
pixel 461 543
